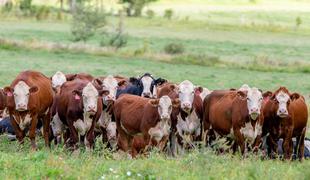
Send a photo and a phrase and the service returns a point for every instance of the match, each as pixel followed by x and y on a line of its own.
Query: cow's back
pixel 128 110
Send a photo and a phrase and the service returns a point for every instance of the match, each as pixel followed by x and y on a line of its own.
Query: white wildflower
pixel 128 173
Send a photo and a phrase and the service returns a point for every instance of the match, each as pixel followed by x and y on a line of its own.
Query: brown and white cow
pixel 286 116
pixel 28 99
pixel 2 103
pixel 186 122
pixel 79 107
pixel 238 114
pixel 136 115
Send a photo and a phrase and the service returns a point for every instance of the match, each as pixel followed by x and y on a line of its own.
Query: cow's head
pixel 244 87
pixel 147 83
pixel 57 80
pixel 112 135
pixel 164 105
pixel 186 95
pixel 111 84
pixel 21 94
pixel 282 99
pixel 89 95
pixel 254 99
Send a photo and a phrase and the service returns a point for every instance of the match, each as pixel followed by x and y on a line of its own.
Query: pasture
pixel 267 54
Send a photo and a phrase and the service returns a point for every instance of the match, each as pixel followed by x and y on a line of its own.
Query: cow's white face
pixel 146 83
pixel 21 96
pixel 111 133
pixel 186 95
pixel 110 83
pixel 90 97
pixel 282 99
pixel 254 102
pixel 164 107
pixel 58 79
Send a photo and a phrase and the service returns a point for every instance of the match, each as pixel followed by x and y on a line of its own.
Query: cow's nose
pixel 91 107
pixel 186 105
pixel 254 109
pixel 165 117
pixel 146 94
pixel 283 111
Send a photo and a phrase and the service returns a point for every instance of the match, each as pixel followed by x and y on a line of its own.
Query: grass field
pixel 222 31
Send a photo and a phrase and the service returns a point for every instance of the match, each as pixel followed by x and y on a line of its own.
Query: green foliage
pixel 135 7
pixel 86 22
pixel 150 13
pixel 174 48
pixel 8 6
pixel 42 12
pixel 298 21
pixel 197 59
pixel 168 14
pixel 25 6
pixel 117 40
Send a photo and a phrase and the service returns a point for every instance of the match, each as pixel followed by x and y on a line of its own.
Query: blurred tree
pixel 134 7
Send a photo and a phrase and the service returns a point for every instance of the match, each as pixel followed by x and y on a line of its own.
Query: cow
pixel 286 116
pixel 142 86
pixel 28 99
pixel 111 84
pixel 2 102
pixel 79 107
pixel 187 119
pixel 148 117
pixel 238 114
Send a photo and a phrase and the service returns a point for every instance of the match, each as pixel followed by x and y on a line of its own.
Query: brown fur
pixel 70 110
pixel 39 103
pixel 286 128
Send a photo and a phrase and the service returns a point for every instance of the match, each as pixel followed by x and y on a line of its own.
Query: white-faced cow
pixel 79 107
pixel 28 99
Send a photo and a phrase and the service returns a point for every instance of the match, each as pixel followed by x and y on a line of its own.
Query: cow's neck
pixel 185 114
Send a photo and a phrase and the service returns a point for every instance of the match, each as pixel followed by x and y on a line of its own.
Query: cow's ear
pixel 77 94
pixel 176 103
pixel 122 83
pixel 134 80
pixel 33 89
pixel 103 92
pixel 97 81
pixel 160 81
pixel 267 94
pixel 70 77
pixel 232 89
pixel 8 91
pixel 294 96
pixel 242 94
pixel 198 89
pixel 154 102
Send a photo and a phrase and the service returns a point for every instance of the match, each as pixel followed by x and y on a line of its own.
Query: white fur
pixel 21 95
pixel 146 82
pixel 90 98
pixel 110 83
pixel 282 98
pixel 58 79
pixel 186 94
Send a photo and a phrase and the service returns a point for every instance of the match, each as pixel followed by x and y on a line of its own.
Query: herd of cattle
pixel 135 114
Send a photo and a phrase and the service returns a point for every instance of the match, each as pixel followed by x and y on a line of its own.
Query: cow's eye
pixel 248 99
pixel 14 94
pixel 27 94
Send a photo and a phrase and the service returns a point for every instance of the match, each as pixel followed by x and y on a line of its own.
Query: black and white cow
pixel 144 86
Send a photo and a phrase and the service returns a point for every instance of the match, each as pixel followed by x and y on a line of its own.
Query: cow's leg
pixel 74 138
pixel 46 129
pixel 239 139
pixel 272 143
pixel 287 143
pixel 90 137
pixel 18 132
pixel 32 132
pixel 257 143
pixel 173 143
pixel 301 146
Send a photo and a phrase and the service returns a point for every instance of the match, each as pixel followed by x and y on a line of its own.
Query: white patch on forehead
pixel 165 101
pixel 58 79
pixel 254 102
pixel 110 83
pixel 282 97
pixel 186 86
pixel 21 88
pixel 244 87
pixel 90 90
